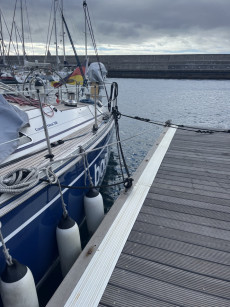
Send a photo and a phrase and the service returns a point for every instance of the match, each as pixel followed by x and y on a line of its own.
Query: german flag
pixel 73 78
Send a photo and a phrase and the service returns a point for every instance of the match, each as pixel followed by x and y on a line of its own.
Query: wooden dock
pixel 171 243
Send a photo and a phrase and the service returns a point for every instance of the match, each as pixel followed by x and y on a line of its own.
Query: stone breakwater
pixel 190 66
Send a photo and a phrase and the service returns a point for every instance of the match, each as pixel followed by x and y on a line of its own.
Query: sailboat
pixel 53 153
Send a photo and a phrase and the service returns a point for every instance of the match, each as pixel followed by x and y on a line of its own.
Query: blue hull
pixel 30 229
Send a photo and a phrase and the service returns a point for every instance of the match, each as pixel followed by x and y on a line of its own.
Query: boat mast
pixel 2 47
pixel 63 35
pixel 16 38
pixel 84 5
pixel 55 30
pixel 23 39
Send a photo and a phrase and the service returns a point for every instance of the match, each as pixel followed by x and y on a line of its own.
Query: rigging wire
pixel 88 19
pixel 73 47
pixel 9 33
pixel 48 39
pixel 29 27
pixel 16 38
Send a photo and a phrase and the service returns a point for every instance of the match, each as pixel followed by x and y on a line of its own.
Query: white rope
pixel 86 166
pixel 64 210
pixel 7 255
pixel 19 180
pixel 53 178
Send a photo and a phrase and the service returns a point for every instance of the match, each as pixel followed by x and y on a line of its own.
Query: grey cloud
pixel 132 21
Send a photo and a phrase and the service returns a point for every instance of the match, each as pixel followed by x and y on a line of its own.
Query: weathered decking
pixel 178 251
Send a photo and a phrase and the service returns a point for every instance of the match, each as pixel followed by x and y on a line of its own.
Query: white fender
pixel 94 209
pixel 18 287
pixel 69 243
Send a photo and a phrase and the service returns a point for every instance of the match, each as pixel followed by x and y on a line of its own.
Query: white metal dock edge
pixel 84 285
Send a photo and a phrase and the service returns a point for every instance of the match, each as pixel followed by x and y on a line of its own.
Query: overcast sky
pixel 128 26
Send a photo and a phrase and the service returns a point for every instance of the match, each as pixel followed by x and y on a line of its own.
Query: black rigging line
pixel 74 50
pixel 168 123
pixel 116 114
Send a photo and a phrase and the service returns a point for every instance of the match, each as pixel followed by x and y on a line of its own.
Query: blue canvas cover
pixel 12 120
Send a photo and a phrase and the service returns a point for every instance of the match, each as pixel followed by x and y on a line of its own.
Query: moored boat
pixel 54 150
pixel 31 205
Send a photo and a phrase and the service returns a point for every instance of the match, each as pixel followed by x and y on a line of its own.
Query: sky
pixel 123 26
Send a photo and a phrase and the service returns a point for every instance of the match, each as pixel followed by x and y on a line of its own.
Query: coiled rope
pixel 19 181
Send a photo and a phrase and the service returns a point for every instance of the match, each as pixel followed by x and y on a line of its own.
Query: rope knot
pixel 51 176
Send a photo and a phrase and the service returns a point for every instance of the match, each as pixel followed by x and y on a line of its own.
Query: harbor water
pixel 199 103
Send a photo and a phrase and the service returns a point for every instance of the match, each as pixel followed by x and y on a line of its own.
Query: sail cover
pixel 12 120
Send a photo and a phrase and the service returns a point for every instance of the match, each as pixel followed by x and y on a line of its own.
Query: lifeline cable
pixel 85 187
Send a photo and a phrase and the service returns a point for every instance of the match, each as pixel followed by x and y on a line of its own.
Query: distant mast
pixel 23 39
pixel 84 6
pixel 55 30
pixel 2 41
pixel 63 35
pixel 16 37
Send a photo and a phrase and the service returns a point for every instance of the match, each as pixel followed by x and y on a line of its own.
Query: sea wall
pixel 199 66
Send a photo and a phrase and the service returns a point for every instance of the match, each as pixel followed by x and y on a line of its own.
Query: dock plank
pixel 178 252
pixel 177 277
pixel 202 210
pixel 164 291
